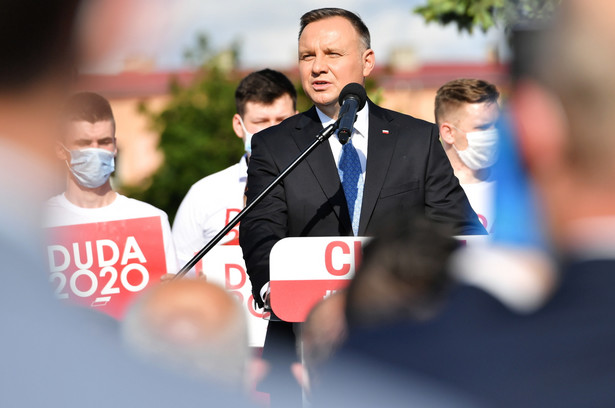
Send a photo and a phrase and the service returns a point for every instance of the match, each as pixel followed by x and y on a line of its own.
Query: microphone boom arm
pixel 320 137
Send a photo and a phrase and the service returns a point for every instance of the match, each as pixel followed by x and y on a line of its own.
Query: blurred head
pixel 263 99
pixel 403 274
pixel 88 139
pixel 36 42
pixel 190 326
pixel 466 112
pixel 334 50
pixel 563 104
pixel 38 62
pixel 324 329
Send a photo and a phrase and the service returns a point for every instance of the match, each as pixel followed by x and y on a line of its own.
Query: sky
pixel 267 31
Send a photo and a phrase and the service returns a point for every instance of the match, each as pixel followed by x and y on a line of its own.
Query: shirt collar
pixel 361 125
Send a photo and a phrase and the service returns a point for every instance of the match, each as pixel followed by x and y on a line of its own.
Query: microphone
pixel 352 99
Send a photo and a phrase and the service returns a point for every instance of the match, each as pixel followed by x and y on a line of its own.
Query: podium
pixel 305 270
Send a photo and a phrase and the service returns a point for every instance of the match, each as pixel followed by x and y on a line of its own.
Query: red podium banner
pixel 104 265
pixel 305 270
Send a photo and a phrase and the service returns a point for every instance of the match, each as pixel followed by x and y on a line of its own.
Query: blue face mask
pixel 92 166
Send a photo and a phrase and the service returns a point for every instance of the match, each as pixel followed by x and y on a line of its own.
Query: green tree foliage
pixel 196 138
pixel 484 14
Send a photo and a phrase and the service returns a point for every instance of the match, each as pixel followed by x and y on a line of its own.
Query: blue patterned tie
pixel 351 177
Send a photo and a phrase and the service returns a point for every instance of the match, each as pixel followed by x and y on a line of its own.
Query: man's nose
pixel 319 65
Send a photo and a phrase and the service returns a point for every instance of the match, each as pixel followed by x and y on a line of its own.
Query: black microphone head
pixel 353 90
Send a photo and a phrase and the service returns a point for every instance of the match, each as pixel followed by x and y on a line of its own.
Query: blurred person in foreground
pixel 562 353
pixel 403 276
pixel 466 112
pixel 393 163
pixel 193 327
pixel 53 355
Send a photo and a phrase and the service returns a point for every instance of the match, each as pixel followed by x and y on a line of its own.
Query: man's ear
pixel 237 126
pixel 541 128
pixel 446 133
pixel 369 61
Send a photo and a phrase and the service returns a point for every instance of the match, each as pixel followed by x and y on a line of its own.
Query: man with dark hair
pixel 263 98
pixel 396 160
pixel 403 274
pixel 466 112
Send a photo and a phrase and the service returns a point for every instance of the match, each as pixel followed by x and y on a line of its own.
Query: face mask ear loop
pixel 69 154
pixel 459 130
pixel 243 126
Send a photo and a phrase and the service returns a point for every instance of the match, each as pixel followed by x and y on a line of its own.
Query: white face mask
pixel 92 166
pixel 482 150
pixel 248 137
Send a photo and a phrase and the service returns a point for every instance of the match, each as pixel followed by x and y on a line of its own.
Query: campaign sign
pixel 305 270
pixel 224 265
pixel 104 265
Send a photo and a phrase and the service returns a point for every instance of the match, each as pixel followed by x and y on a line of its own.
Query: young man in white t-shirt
pixel 263 98
pixel 466 112
pixel 88 147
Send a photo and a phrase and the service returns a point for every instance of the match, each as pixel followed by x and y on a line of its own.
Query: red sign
pixel 104 265
pixel 233 234
pixel 304 271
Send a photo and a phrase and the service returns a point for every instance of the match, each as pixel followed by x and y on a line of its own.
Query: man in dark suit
pixel 560 354
pixel 392 164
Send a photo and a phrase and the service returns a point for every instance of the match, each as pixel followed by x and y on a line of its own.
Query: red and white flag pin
pixel 385 131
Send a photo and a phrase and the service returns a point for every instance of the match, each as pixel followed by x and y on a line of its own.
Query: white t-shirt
pixel 481 197
pixel 209 205
pixel 207 208
pixel 60 212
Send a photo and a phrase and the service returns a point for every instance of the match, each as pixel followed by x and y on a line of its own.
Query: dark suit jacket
pixel 559 356
pixel 407 171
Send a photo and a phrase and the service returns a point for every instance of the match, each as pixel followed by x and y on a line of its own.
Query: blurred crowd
pixel 522 318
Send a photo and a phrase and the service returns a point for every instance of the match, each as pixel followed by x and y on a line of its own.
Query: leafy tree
pixel 196 136
pixel 484 14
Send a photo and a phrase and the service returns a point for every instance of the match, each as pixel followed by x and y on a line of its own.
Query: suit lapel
pixel 380 146
pixel 322 164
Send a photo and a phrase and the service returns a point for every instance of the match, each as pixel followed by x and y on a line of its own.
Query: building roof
pixel 135 84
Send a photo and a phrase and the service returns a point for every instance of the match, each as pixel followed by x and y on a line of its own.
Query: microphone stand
pixel 320 137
